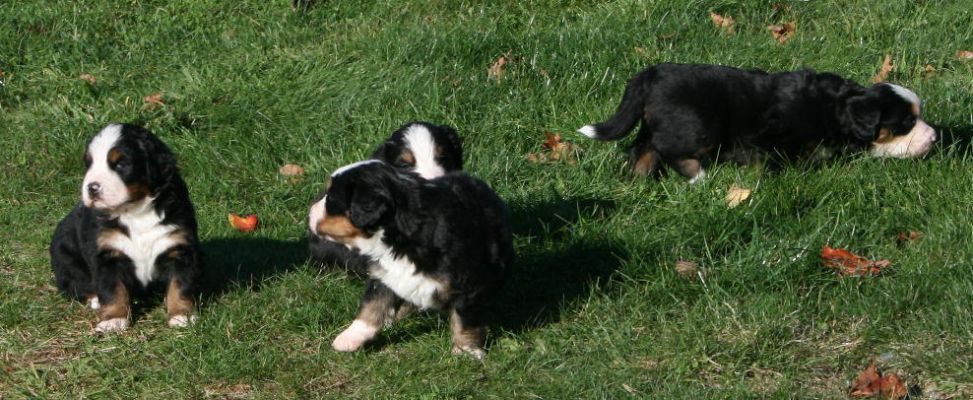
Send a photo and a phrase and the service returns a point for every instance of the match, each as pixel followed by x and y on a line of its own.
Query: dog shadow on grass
pixel 248 262
pixel 557 270
pixel 956 138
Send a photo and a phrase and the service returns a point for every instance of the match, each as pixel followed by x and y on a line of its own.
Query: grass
pixel 595 308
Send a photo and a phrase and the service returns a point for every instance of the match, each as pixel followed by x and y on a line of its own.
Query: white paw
pixel 93 303
pixel 182 321
pixel 354 337
pixel 112 325
pixel 475 352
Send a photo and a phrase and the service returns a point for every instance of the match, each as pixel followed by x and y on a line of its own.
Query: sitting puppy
pixel 427 149
pixel 134 226
pixel 443 243
pixel 689 112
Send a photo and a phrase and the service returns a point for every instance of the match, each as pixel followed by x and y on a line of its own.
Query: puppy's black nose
pixel 94 188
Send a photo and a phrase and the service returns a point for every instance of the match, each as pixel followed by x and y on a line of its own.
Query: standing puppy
pixel 134 226
pixel 443 244
pixel 691 112
pixel 427 149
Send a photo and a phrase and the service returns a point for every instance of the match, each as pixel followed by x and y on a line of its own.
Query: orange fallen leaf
pixel 291 170
pixel 904 238
pixel 88 78
pixel 870 382
pixel 153 100
pixel 736 196
pixel 725 24
pixel 883 73
pixel 846 263
pixel 928 70
pixel 247 223
pixel 497 69
pixel 783 32
pixel 964 55
pixel 555 150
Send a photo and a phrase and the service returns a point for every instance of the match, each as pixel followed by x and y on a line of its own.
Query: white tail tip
pixel 588 130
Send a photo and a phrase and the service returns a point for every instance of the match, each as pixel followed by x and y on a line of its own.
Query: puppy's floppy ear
pixel 161 162
pixel 381 153
pixel 862 114
pixel 368 206
pixel 455 144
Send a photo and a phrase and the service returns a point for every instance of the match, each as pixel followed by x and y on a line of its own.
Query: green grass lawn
pixel 595 308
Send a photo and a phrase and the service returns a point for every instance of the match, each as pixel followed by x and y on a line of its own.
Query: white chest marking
pixel 147 238
pixel 399 273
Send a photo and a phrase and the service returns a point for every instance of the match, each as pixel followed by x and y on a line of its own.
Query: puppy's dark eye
pixel 121 164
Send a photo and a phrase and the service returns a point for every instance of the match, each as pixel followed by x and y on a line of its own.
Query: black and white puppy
pixel 691 112
pixel 427 149
pixel 134 226
pixel 434 244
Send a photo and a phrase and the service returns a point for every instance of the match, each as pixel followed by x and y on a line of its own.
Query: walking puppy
pixel 427 149
pixel 689 112
pixel 133 227
pixel 442 244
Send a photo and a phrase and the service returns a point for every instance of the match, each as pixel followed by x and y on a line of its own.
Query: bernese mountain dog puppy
pixel 434 244
pixel 427 149
pixel 134 228
pixel 690 113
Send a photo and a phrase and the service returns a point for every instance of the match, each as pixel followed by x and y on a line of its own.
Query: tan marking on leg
pixel 178 305
pixel 466 339
pixel 119 307
pixel 689 167
pixel 646 163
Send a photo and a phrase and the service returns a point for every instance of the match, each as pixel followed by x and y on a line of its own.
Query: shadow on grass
pixel 956 138
pixel 563 271
pixel 247 262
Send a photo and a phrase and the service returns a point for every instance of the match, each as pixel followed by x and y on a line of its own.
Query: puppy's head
pixel 125 164
pixel 358 201
pixel 888 118
pixel 427 149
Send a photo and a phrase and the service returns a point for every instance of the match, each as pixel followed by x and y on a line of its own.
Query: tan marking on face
pixel 916 109
pixel 138 191
pixel 338 227
pixel 884 135
pixel 176 303
pixel 118 307
pixel 408 157
pixel 465 338
pixel 114 155
pixel 646 163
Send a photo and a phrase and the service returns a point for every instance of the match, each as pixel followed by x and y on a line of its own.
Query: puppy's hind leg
pixel 378 305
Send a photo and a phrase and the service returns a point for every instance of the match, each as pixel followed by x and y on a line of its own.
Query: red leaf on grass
pixel 783 32
pixel 883 72
pixel 497 69
pixel 964 55
pixel 846 263
pixel 246 223
pixel 153 100
pixel 555 150
pixel 724 24
pixel 870 383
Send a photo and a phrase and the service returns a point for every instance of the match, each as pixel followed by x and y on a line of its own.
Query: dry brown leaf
pixel 736 196
pixel 783 32
pixel 630 389
pixel 724 24
pixel 964 55
pixel 153 100
pixel 555 150
pixel 928 70
pixel 497 69
pixel 687 269
pixel 870 383
pixel 291 170
pixel 883 73
pixel 88 78
pixel 846 263
pixel 904 238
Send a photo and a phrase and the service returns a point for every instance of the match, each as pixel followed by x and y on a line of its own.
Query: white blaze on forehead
pixel 351 166
pixel 113 190
pixel 420 142
pixel 906 94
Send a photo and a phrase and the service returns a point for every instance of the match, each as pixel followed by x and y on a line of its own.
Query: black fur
pixel 82 269
pixel 450 158
pixel 454 229
pixel 693 112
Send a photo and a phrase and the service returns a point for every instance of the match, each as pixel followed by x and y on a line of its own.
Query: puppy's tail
pixel 629 113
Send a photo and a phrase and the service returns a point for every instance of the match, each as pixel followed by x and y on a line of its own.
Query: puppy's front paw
pixel 475 352
pixel 181 321
pixel 354 337
pixel 112 325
